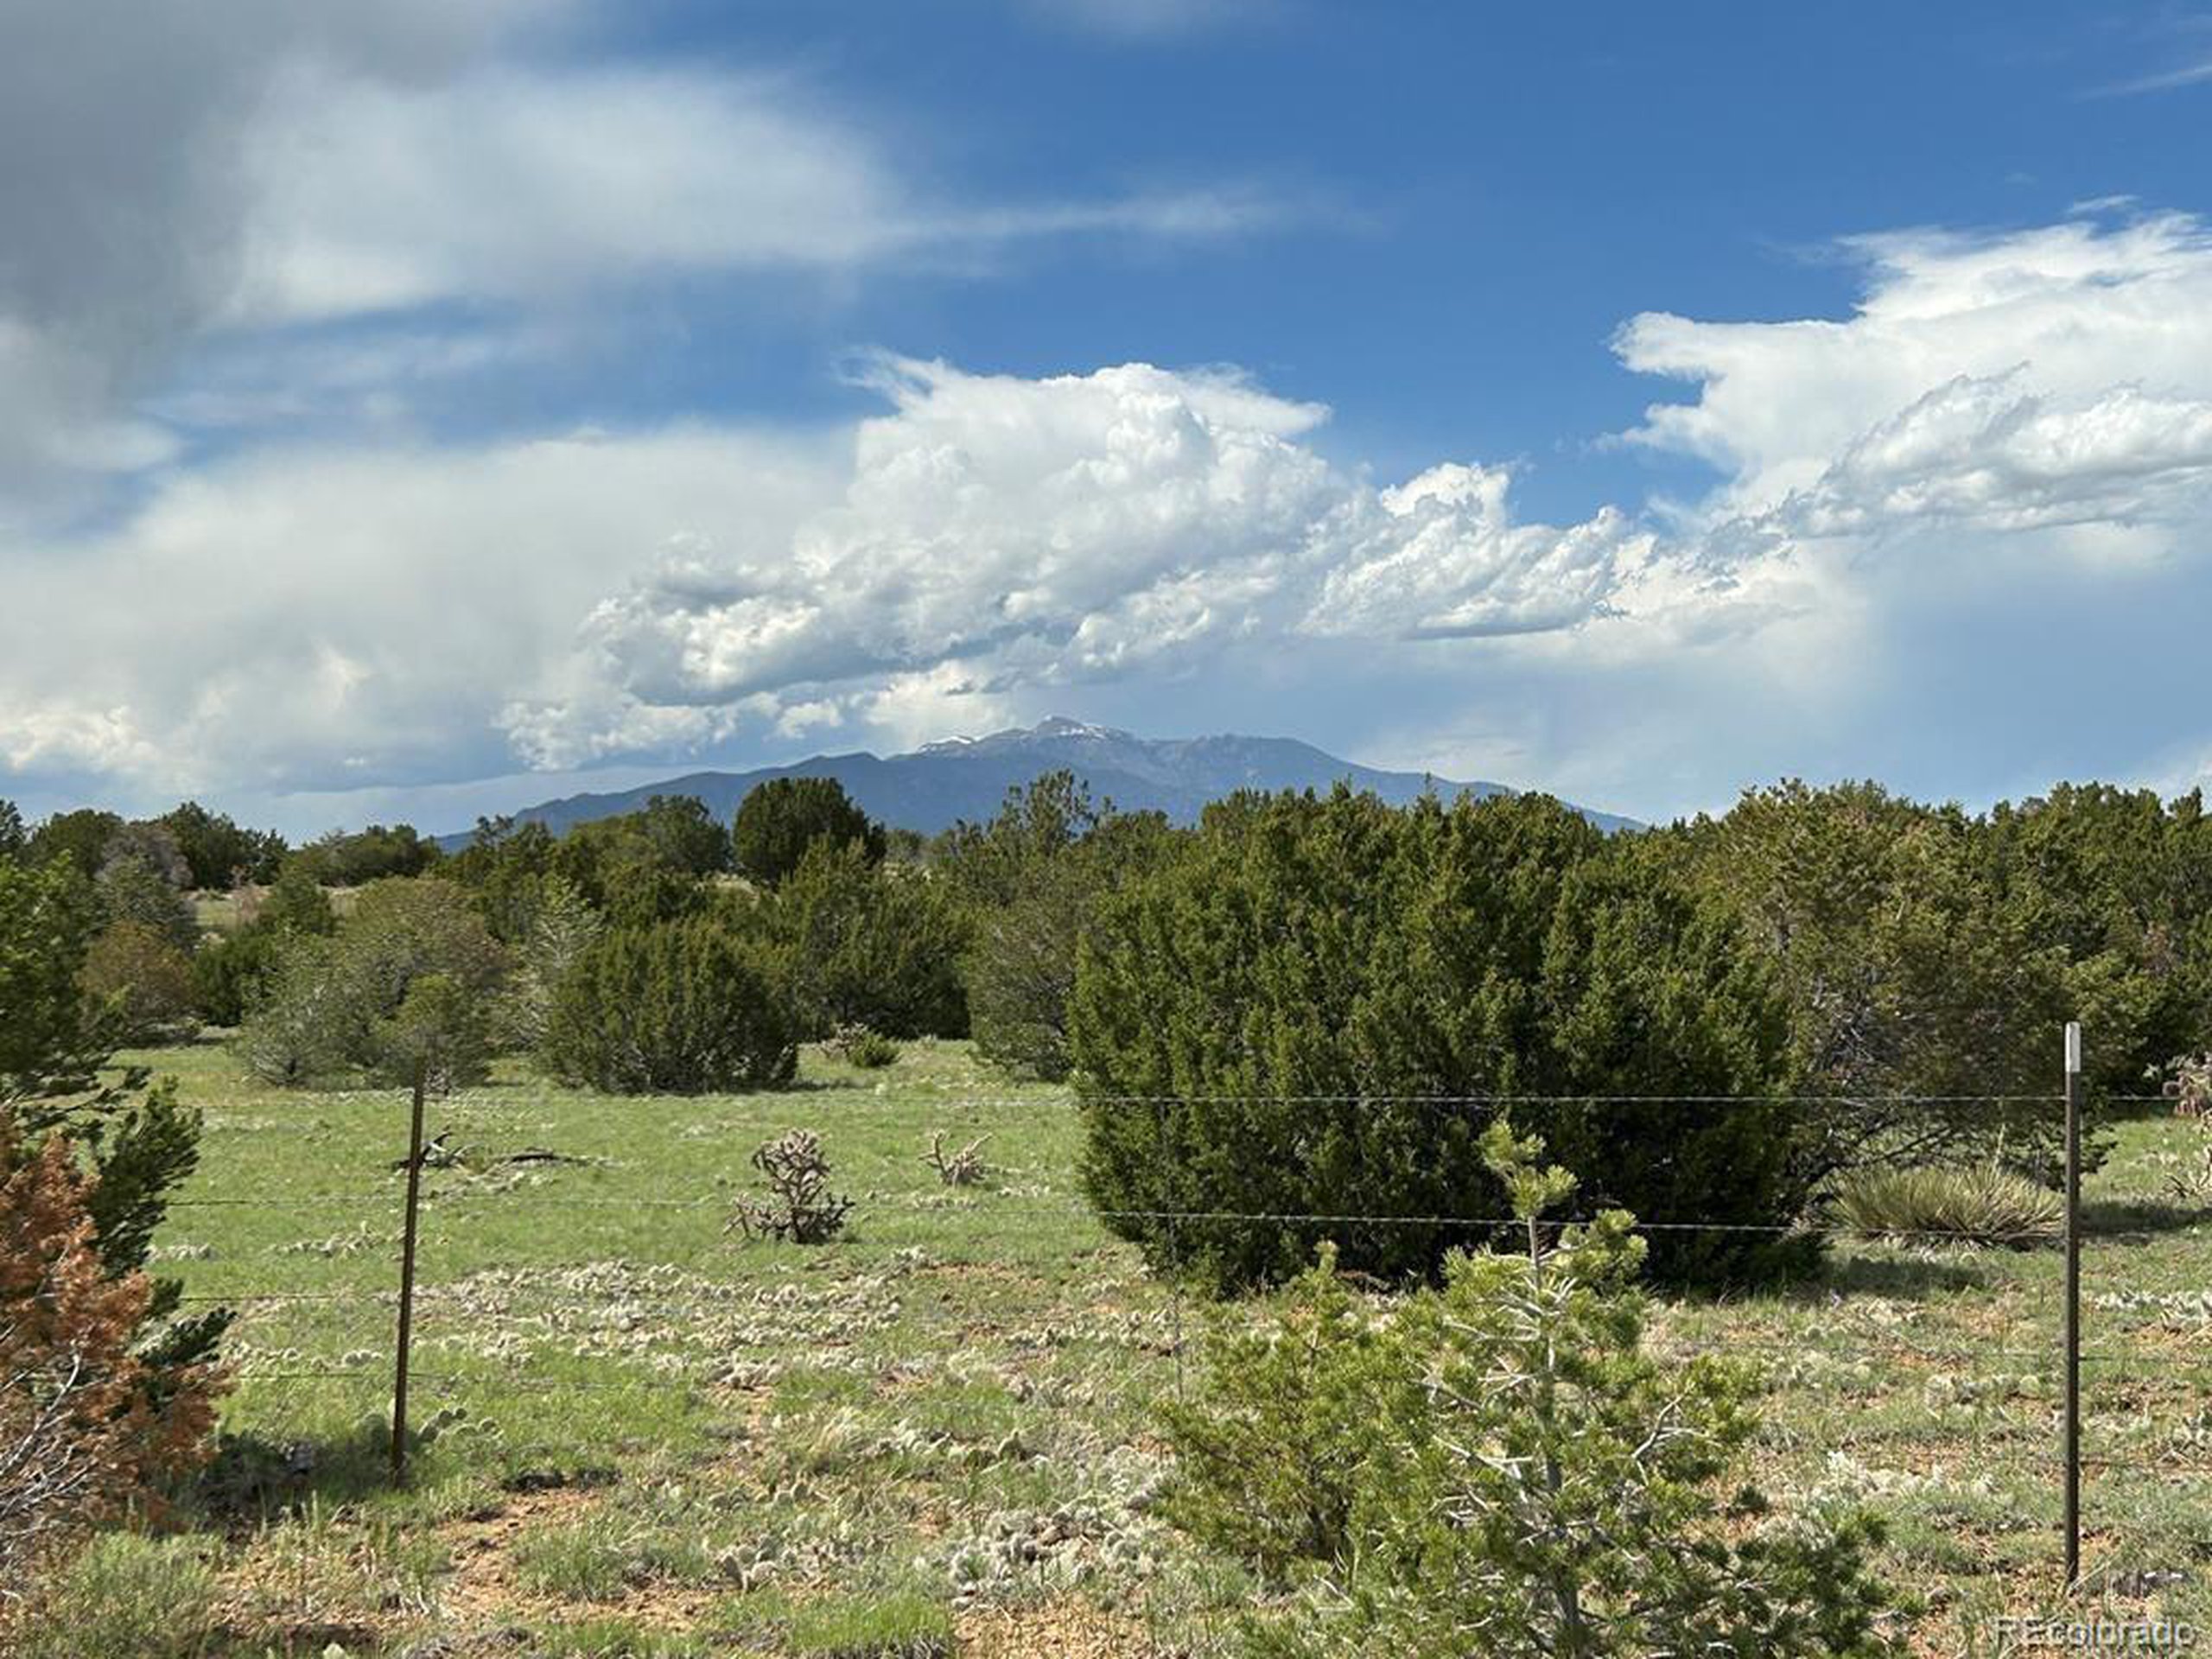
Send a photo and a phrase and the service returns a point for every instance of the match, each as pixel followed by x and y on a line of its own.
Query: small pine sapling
pixel 1495 1467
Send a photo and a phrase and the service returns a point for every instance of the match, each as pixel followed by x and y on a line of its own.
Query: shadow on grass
pixel 1834 1276
pixel 253 1479
pixel 2109 1217
pixel 1891 1276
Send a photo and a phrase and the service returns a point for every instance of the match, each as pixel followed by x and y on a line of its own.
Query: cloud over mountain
pixel 1030 533
pixel 324 456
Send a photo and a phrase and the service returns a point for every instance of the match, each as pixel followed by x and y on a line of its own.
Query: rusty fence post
pixel 2073 1330
pixel 407 1273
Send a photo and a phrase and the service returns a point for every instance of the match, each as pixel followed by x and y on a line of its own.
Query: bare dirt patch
pixel 481 1588
pixel 1064 1629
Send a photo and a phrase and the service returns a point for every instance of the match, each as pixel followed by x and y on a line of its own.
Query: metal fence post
pixel 407 1273
pixel 2072 1406
pixel 1174 1247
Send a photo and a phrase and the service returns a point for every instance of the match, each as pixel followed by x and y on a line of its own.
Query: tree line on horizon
pixel 1299 978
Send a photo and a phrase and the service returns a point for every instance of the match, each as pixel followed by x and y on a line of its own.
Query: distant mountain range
pixel 940 784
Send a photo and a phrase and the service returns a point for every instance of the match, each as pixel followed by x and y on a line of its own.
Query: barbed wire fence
pixel 385 1320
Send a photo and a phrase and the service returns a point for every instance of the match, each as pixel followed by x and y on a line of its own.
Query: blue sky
pixel 414 409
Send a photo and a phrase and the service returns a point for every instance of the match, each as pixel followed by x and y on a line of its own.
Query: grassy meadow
pixel 645 1435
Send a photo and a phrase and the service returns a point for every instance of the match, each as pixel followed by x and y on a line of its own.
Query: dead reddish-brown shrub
pixel 85 1429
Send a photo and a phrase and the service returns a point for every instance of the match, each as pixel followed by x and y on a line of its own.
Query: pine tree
pixel 1313 1009
pixel 779 820
pixel 87 1423
pixel 1495 1467
pixel 137 1140
pixel 553 926
pixel 868 945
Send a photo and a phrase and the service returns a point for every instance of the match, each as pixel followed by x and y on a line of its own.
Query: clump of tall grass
pixel 899 1626
pixel 128 1594
pixel 1974 1203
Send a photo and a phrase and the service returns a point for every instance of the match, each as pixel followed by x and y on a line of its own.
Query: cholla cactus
pixel 800 1207
pixel 2188 1084
pixel 964 1167
pixel 2187 1081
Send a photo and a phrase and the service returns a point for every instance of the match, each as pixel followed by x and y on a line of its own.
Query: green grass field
pixel 645 1435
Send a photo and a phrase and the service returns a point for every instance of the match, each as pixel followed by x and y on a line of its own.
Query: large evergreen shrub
pixel 646 866
pixel 1654 1004
pixel 143 981
pixel 82 837
pixel 1032 880
pixel 228 974
pixel 1925 997
pixel 320 1015
pixel 868 945
pixel 674 1007
pixel 294 903
pixel 233 971
pixel 440 1029
pixel 780 819
pixel 343 859
pixel 1312 1011
pixel 134 888
pixel 216 851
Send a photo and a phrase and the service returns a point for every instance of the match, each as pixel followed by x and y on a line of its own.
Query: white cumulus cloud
pixel 1008 533
pixel 2005 427
pixel 302 618
pixel 1991 455
pixel 2107 330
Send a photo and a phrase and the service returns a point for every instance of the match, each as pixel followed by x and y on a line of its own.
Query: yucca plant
pixel 1973 1204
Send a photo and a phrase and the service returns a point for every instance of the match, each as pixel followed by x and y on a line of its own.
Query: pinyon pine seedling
pixel 58 1078
pixel 1494 1467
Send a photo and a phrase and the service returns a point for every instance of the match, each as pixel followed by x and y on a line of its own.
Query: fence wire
pixel 552 1325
